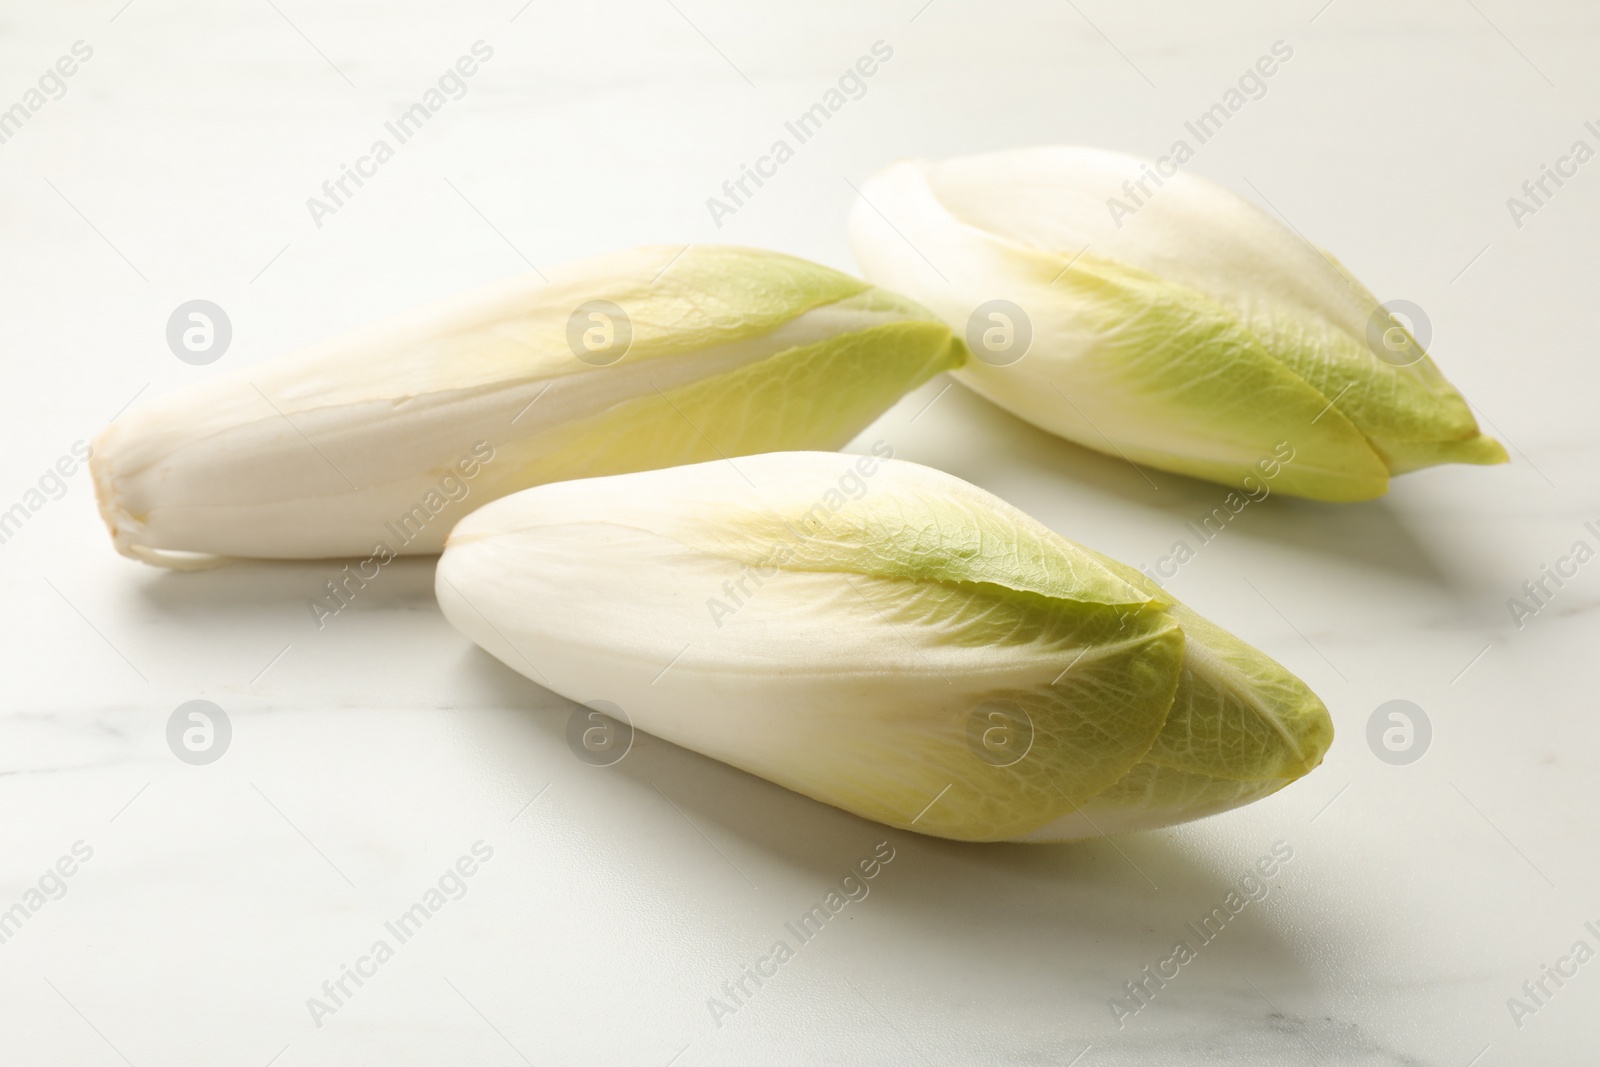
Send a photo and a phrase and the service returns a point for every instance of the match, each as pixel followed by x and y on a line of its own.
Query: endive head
pixel 882 637
pixel 1137 309
pixel 628 361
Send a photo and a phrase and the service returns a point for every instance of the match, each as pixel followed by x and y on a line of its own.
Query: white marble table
pixel 207 905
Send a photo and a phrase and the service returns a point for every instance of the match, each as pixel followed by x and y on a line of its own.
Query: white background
pixel 369 755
